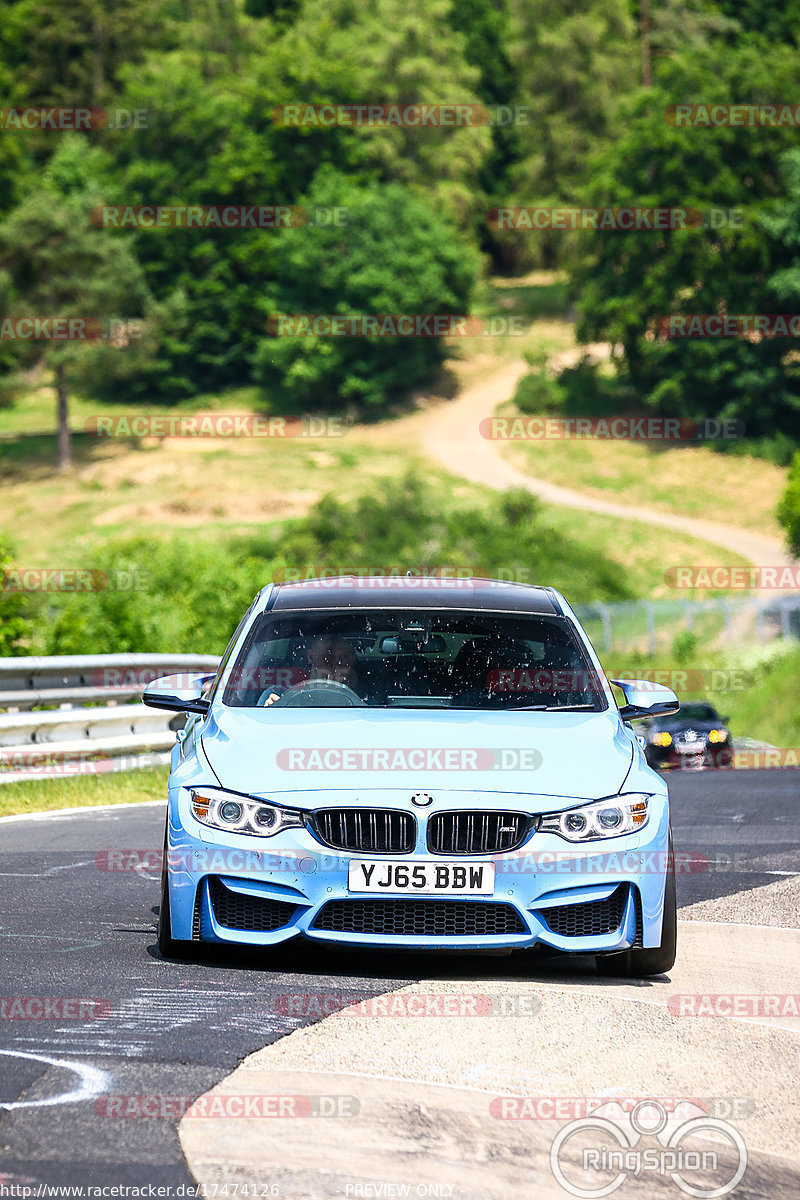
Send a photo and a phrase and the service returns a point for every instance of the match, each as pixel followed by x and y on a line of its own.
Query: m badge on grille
pixel 422 799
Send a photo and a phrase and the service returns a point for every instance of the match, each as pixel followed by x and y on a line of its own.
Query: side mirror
pixel 178 693
pixel 645 699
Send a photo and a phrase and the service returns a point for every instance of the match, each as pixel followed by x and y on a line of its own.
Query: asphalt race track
pixel 72 929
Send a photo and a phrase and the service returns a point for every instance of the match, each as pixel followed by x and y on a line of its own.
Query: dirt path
pixel 449 434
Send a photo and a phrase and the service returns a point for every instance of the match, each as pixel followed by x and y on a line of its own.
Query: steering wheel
pixel 307 694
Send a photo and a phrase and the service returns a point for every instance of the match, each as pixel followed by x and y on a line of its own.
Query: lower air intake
pixel 248 914
pixel 590 919
pixel 420 918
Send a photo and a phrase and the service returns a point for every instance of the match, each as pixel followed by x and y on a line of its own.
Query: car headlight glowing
pixel 718 735
pixel 600 819
pixel 240 814
pixel 662 739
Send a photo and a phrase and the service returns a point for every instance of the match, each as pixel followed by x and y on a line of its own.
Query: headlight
pixel 718 735
pixel 240 814
pixel 600 819
pixel 662 739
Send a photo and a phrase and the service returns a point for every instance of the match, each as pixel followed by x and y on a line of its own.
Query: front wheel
pixel 168 946
pixel 657 959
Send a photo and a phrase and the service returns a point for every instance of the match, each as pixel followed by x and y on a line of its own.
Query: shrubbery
pixel 195 592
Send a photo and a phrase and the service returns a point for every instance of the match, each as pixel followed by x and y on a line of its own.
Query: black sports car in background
pixel 695 737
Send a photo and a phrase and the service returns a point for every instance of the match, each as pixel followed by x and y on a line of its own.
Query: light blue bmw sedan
pixel 416 763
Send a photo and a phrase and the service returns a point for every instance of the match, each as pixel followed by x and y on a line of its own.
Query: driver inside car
pixel 329 657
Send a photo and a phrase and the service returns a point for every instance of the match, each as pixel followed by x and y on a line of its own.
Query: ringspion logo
pixel 595 1154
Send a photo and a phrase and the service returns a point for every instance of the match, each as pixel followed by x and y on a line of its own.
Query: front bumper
pixel 703 756
pixel 277 890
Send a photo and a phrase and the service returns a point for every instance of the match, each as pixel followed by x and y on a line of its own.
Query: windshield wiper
pixel 554 708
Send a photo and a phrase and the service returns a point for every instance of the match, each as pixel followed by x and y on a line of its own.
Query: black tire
pixel 168 946
pixel 638 964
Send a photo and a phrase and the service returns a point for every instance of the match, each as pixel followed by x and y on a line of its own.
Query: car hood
pixel 266 752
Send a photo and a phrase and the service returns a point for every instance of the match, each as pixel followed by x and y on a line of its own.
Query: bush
pixel 577 391
pixel 191 594
pixel 15 625
pixel 539 391
pixel 684 647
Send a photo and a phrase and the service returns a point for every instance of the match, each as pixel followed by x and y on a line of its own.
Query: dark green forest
pixel 576 97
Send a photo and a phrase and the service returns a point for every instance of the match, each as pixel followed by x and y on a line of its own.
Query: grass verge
pixel 83 791
pixel 692 481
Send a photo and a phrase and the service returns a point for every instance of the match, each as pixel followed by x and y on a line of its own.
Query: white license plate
pixel 691 748
pixel 387 877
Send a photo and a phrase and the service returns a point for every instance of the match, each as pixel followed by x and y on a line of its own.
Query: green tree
pixel 486 28
pixel 72 53
pixel 394 255
pixel 774 20
pixel 208 146
pixel 14 626
pixel 789 507
pixel 627 281
pixel 387 52
pixel 56 265
pixel 575 59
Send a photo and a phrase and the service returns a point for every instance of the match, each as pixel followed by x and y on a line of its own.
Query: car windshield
pixel 407 658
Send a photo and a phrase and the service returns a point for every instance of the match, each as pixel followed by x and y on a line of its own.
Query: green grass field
pixel 221 492
pixel 123 787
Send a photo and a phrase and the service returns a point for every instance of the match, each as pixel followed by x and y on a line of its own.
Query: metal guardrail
pixel 67 715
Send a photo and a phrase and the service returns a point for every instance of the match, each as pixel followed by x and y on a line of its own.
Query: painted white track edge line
pixel 83 808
